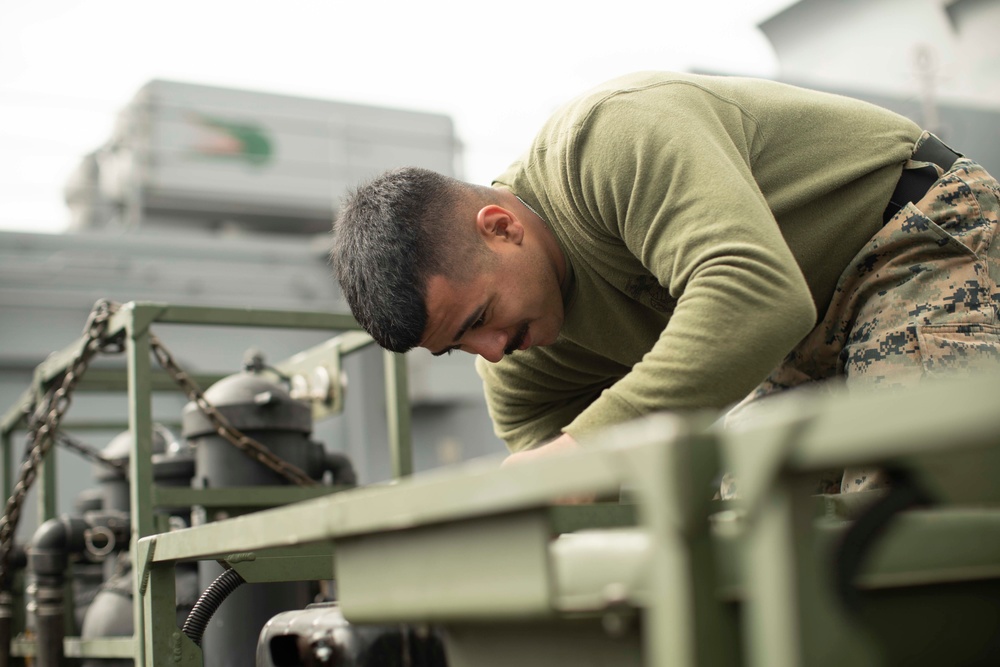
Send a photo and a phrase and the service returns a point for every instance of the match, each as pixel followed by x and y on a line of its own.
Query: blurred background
pixel 195 153
pixel 68 67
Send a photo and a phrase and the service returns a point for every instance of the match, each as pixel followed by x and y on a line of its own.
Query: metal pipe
pixel 341 469
pixel 48 558
pixel 6 627
pixel 18 560
pixel 50 625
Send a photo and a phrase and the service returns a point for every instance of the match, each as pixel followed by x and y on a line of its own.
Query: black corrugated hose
pixel 209 602
pixel 864 533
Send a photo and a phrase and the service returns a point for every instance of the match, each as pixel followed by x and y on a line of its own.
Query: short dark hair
pixel 391 235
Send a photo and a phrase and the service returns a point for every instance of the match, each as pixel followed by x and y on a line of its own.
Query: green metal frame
pixel 740 582
pixel 723 583
pixel 947 434
pixel 501 521
pixel 135 319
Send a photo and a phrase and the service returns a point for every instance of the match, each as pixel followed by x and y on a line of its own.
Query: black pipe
pixel 6 627
pixel 864 533
pixel 341 469
pixel 48 557
pixel 209 603
pixel 50 629
pixel 18 561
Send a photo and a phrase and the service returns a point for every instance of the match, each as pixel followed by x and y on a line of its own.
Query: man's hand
pixel 564 443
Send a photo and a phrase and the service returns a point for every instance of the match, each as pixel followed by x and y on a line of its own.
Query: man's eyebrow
pixel 469 321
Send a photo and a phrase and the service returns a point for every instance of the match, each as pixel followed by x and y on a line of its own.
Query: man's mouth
pixel 521 340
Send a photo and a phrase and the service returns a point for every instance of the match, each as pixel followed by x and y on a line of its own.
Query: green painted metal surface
pixel 244 497
pixel 716 583
pixel 108 647
pixel 672 577
pixel 397 405
pixel 307 562
pixel 495 568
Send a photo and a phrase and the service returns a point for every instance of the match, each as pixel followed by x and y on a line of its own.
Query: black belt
pixel 914 183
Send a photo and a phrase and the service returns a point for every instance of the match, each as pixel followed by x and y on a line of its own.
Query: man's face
pixel 509 304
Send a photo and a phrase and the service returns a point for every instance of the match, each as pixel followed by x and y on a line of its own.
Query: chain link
pixel 252 448
pixel 88 452
pixel 45 420
pixel 43 429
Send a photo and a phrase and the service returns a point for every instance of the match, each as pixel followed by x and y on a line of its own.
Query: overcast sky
pixel 498 69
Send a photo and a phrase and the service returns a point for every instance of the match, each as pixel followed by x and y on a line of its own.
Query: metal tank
pixel 110 614
pixel 261 409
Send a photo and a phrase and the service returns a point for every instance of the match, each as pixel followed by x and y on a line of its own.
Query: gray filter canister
pixel 264 411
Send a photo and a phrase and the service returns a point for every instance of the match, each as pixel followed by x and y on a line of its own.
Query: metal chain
pixel 88 452
pixel 44 424
pixel 252 448
pixel 43 428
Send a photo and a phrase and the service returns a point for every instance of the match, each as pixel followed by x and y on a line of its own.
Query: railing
pixel 778 577
pixel 139 381
pixel 773 578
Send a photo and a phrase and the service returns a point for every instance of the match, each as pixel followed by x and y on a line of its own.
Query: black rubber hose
pixel 209 602
pixel 867 529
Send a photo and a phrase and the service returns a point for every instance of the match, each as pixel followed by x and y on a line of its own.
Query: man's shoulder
pixel 562 127
pixel 663 84
pixel 586 103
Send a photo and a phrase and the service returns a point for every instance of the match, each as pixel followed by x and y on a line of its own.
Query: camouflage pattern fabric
pixel 919 300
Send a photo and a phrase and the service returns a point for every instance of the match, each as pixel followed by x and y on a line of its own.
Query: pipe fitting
pixel 341 469
pixel 48 554
pixel 99 541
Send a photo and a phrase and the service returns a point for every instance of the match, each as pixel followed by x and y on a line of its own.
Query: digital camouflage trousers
pixel 919 300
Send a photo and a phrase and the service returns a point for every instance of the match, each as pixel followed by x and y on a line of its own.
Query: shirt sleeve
pixel 533 394
pixel 676 186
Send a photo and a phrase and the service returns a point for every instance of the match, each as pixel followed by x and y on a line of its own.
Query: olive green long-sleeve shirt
pixel 705 221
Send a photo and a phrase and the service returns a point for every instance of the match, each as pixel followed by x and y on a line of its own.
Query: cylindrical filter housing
pixel 264 411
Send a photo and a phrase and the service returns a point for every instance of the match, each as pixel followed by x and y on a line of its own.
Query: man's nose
pixel 487 344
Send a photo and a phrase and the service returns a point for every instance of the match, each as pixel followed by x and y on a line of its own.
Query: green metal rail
pixel 671 579
pixel 745 582
pixel 135 320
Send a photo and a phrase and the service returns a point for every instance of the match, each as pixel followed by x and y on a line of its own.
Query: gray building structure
pixel 932 49
pixel 935 61
pixel 209 196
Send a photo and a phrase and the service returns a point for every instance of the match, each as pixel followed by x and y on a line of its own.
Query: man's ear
pixel 496 223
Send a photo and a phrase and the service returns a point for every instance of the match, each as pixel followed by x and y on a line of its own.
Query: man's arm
pixel 670 181
pixel 681 195
pixel 533 394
